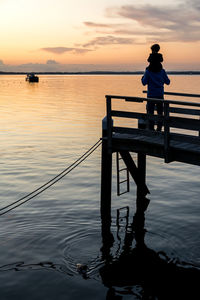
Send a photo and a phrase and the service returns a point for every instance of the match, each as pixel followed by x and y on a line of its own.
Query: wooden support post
pixel 141 173
pixel 142 202
pixel 106 176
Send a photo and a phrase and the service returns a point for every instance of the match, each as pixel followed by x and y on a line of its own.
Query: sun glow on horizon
pixel 93 32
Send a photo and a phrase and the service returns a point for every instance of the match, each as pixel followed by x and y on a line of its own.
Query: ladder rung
pixel 124 207
pixel 123 193
pixel 123 181
pixel 124 169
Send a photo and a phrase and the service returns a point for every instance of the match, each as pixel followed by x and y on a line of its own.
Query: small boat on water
pixel 31 77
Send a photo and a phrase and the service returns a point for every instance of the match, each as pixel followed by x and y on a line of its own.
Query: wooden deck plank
pixel 156 141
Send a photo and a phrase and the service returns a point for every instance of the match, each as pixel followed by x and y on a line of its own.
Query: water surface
pixel 45 127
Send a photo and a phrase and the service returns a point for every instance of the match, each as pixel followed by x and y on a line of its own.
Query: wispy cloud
pixel 62 50
pixel 194 3
pixel 96 25
pixel 178 23
pixel 113 33
pixel 149 22
pixel 108 40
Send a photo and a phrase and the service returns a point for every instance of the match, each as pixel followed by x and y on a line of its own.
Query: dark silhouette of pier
pixel 168 144
pixel 156 275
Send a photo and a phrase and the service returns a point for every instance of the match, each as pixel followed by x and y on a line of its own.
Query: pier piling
pixel 106 175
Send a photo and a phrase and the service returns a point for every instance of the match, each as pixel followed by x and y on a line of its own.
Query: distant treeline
pixel 100 73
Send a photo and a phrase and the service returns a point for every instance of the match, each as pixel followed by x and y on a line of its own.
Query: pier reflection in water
pixel 125 265
pixel 142 272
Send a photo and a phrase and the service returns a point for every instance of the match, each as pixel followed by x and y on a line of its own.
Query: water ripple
pixel 82 247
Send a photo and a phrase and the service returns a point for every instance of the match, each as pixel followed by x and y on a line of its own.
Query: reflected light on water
pixel 45 127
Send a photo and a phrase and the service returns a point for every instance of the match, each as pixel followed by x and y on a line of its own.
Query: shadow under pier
pixel 143 272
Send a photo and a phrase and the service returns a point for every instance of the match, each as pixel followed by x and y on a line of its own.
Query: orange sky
pixel 114 32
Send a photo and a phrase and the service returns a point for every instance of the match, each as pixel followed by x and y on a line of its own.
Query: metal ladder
pixel 123 169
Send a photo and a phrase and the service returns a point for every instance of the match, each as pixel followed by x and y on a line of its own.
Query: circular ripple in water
pixel 180 244
pixel 83 247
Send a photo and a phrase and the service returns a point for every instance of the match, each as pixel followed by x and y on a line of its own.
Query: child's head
pixel 155 48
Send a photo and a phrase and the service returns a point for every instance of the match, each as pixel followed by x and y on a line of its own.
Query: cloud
pixel 108 40
pixel 158 17
pixel 179 22
pixel 51 62
pixel 61 50
pixel 92 24
pixel 49 66
pixel 194 3
pixel 56 50
pixel 113 33
pixel 140 32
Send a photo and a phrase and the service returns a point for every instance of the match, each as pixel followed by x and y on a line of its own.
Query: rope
pixel 52 181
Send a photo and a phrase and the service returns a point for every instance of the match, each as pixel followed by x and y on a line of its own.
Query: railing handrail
pixel 179 94
pixel 142 99
pixel 168 121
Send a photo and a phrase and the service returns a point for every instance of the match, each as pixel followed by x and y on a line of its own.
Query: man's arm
pixel 145 78
pixel 166 79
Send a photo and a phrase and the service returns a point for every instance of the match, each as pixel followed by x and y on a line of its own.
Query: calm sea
pixel 45 127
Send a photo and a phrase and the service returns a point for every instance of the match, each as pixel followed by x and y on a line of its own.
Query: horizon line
pixel 98 73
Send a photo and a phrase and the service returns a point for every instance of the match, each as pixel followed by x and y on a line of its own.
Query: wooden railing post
pixel 166 133
pixel 199 128
pixel 147 117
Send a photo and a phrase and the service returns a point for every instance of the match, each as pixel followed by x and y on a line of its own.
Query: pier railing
pixel 177 115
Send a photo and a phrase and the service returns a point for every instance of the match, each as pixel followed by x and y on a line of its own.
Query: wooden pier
pixel 178 141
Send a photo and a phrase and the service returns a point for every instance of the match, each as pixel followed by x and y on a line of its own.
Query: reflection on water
pixel 129 269
pixel 21 266
pixel 143 272
pixel 44 128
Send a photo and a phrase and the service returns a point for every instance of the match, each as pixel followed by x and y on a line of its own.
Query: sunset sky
pixel 82 35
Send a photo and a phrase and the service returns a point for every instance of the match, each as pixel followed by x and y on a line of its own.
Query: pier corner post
pixel 106 176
